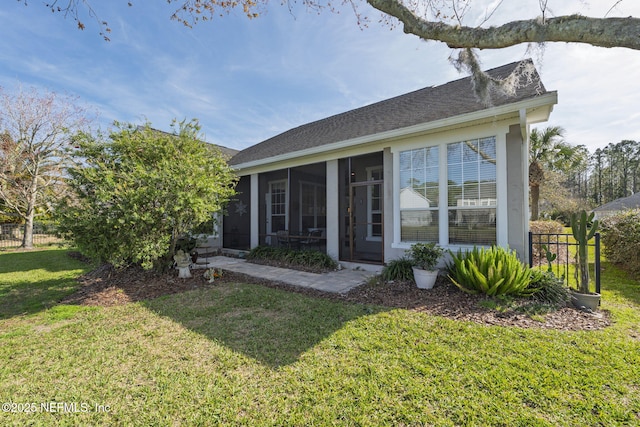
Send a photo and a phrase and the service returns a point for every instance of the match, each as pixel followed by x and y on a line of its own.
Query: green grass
pixel 36 280
pixel 240 354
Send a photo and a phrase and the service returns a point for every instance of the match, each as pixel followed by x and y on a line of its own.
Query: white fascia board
pixel 543 101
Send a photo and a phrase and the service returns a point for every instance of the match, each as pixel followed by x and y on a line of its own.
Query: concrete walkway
pixel 340 281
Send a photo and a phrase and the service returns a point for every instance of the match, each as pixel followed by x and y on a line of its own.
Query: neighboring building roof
pixel 226 152
pixel 422 106
pixel 411 199
pixel 630 202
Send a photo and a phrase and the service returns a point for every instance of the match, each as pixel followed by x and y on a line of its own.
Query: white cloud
pixel 249 80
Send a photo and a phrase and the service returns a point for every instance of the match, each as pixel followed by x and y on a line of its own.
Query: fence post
pixel 597 262
pixel 530 249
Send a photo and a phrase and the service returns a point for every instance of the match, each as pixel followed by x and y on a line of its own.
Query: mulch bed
pixel 106 287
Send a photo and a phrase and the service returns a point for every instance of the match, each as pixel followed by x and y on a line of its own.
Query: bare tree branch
pixel 603 32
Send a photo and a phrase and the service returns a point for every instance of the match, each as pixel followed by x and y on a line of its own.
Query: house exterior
pixel 617 206
pixel 434 165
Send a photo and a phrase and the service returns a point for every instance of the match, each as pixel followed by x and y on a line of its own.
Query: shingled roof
pixel 630 202
pixel 422 106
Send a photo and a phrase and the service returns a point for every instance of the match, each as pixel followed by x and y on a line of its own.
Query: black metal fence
pixel 564 247
pixel 11 235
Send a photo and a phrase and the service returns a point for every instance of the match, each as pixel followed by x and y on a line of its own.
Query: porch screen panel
pixel 419 193
pixel 471 191
pixel 313 202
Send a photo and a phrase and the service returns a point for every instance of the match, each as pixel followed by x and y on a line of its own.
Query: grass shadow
pixel 272 326
pixel 23 298
pixel 51 260
pixel 36 280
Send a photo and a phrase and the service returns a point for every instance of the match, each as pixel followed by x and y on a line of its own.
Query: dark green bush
pixel 204 227
pixel 491 271
pixel 311 260
pixel 259 252
pixel 398 269
pixel 186 243
pixel 621 240
pixel 548 289
pixel 425 255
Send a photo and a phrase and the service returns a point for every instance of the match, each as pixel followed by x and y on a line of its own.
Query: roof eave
pixel 541 105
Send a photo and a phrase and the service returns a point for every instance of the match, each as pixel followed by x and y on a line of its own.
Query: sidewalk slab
pixel 341 281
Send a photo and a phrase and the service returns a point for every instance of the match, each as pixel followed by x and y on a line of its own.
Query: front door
pixel 365 231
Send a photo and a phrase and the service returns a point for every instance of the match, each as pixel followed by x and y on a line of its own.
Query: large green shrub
pixel 491 271
pixel 621 240
pixel 136 192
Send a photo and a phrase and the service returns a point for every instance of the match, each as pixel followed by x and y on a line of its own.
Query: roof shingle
pixel 421 106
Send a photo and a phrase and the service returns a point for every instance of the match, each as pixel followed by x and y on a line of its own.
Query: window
pixel 419 192
pixel 374 204
pixel 469 191
pixel 277 206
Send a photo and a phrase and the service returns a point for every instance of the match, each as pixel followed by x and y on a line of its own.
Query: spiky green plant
pixel 582 232
pixel 398 269
pixel 549 289
pixel 312 260
pixel 491 271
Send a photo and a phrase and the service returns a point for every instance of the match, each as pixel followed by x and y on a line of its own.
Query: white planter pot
pixel 425 279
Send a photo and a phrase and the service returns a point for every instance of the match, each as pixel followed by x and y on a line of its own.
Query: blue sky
pixel 248 80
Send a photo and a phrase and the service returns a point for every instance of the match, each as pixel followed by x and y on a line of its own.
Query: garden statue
pixel 183 262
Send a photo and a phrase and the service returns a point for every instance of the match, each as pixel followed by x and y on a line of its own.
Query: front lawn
pixel 242 354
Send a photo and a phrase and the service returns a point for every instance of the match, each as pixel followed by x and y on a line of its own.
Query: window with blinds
pixel 470 190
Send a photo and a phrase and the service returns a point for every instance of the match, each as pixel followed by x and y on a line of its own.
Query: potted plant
pixel 583 232
pixel 425 257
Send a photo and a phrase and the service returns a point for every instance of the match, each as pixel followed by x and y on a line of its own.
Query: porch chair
pixel 283 238
pixel 314 238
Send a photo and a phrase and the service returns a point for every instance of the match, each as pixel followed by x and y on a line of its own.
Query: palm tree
pixel 547 150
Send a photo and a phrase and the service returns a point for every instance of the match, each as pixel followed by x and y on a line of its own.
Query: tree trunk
pixel 535 199
pixel 27 237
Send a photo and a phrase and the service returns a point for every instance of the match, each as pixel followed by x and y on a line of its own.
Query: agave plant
pixel 491 271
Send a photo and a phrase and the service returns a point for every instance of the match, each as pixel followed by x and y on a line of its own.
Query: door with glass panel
pixel 365 228
pixel 277 207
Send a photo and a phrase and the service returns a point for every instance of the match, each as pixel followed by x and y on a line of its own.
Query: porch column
pixel 389 252
pixel 255 212
pixel 333 210
pixel 517 192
